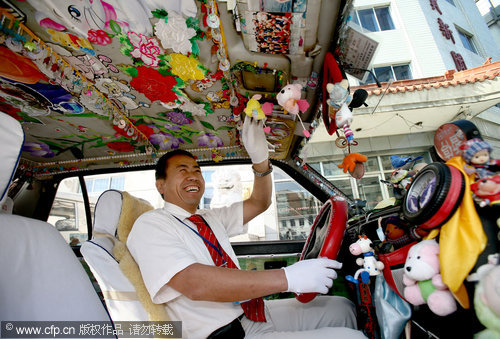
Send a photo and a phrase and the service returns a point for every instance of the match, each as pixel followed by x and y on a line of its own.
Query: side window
pixel 68 212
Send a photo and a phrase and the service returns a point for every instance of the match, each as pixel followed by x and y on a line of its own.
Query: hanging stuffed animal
pixel 353 162
pixel 338 110
pixel 289 99
pixel 256 111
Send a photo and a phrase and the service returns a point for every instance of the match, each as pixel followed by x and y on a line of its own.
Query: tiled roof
pixel 489 70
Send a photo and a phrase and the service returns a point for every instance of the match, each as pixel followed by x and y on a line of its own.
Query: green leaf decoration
pixel 226 128
pixel 195 49
pixel 160 13
pixel 207 125
pixel 186 139
pixel 115 27
pixel 27 118
pixel 53 146
pixel 192 22
pixel 128 69
pixel 87 115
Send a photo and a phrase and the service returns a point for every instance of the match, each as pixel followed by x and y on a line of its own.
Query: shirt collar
pixel 177 211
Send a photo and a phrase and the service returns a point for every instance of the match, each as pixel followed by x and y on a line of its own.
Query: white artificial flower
pixel 174 33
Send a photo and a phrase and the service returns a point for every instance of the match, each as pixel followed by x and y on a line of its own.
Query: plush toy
pixel 289 99
pixel 487 304
pixel 370 264
pixel 398 233
pixel 422 279
pixel 256 111
pixel 486 191
pixel 353 162
pixel 338 110
pixel 476 154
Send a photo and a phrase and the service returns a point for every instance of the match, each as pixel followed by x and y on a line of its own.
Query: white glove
pixel 312 275
pixel 254 140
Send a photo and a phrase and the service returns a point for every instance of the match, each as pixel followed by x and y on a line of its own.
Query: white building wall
pixel 428 59
pixel 417 37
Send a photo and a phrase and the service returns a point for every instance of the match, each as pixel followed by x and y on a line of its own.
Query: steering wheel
pixel 326 236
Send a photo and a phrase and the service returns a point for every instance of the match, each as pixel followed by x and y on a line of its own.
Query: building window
pixel 99 184
pixel 467 41
pixel 388 73
pixel 369 188
pixel 374 19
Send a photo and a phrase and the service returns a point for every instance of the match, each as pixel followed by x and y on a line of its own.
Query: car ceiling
pixel 99 85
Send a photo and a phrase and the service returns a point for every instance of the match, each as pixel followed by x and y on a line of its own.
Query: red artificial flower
pixel 9 109
pixel 154 85
pixel 146 130
pixel 120 131
pixel 120 146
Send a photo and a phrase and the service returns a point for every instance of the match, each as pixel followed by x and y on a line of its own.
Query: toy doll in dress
pixel 476 153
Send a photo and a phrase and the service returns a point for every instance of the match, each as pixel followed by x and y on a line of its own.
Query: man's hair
pixel 161 165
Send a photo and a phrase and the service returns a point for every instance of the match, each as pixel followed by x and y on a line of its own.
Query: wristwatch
pixel 263 174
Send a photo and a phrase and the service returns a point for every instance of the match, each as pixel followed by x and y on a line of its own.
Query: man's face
pixel 184 185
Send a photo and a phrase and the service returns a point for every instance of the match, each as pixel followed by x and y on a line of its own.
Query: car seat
pixel 42 279
pixel 118 292
pixel 125 294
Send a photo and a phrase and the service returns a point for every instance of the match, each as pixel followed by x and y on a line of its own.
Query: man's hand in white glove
pixel 312 275
pixel 254 140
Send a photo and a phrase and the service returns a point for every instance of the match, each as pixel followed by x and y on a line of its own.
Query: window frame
pixel 393 73
pixel 376 18
pixel 470 40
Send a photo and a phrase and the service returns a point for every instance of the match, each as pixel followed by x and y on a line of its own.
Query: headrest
pixel 114 208
pixel 107 212
pixel 132 208
pixel 11 139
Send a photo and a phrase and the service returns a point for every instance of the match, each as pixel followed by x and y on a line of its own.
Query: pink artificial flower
pixel 145 49
pixel 98 37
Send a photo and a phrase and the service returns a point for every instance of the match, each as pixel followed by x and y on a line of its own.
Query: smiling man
pixel 188 264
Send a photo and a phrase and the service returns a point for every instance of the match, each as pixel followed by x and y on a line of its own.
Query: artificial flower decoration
pixel 146 49
pixel 186 68
pixel 99 37
pixel 165 140
pixel 174 33
pixel 147 130
pixel 154 85
pixel 178 118
pixel 120 146
pixel 210 140
pixel 38 149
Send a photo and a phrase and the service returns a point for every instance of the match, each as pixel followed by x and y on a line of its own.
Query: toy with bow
pixel 289 99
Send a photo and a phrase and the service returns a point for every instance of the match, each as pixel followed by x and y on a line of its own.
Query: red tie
pixel 254 308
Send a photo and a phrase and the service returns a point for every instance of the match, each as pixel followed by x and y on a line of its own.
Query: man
pixel 177 259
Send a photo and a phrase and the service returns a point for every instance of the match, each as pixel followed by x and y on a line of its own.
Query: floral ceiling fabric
pixel 107 80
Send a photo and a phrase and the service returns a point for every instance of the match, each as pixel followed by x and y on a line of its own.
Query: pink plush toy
pixel 289 99
pixel 423 280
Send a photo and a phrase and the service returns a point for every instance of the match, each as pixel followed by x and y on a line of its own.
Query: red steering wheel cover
pixel 334 236
pixel 331 74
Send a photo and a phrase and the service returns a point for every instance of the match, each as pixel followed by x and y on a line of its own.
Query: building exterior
pixel 490 10
pixel 430 60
